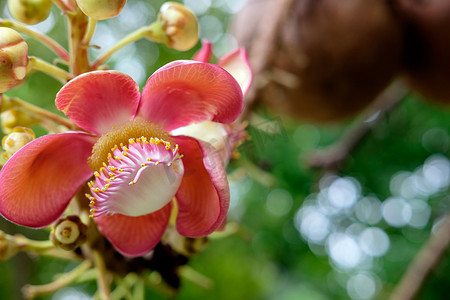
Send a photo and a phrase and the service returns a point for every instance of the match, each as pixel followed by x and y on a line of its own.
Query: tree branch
pixel 424 262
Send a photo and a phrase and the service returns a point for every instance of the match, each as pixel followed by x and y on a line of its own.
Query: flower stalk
pixel 104 290
pixel 65 5
pixel 92 24
pixel 37 64
pixel 16 102
pixel 77 27
pixel 44 39
pixel 32 291
pixel 152 32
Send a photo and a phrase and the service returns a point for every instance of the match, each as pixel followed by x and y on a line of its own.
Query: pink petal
pixel 204 54
pixel 185 92
pixel 204 196
pixel 37 182
pixel 135 236
pixel 237 64
pixel 98 100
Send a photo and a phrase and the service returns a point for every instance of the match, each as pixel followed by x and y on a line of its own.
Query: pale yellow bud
pixel 13 58
pixel 16 117
pixel 30 11
pixel 101 9
pixel 8 246
pixel 180 25
pixel 16 140
pixel 69 233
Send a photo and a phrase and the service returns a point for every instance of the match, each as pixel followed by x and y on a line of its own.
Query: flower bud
pixel 16 117
pixel 13 58
pixel 12 142
pixel 101 9
pixel 30 11
pixel 8 247
pixel 69 233
pixel 180 25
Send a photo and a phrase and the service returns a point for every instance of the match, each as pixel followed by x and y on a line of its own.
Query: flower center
pixel 139 173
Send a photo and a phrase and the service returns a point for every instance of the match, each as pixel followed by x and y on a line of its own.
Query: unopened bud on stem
pixel 69 233
pixel 12 142
pixel 13 58
pixel 179 25
pixel 30 11
pixel 101 9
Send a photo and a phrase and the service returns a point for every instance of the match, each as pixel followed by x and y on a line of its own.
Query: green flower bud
pixel 101 9
pixel 69 233
pixel 12 142
pixel 30 11
pixel 180 25
pixel 13 58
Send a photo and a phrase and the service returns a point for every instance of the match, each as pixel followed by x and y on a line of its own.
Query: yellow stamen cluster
pixel 120 135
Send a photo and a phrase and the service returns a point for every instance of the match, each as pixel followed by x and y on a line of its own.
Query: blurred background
pixel 323 210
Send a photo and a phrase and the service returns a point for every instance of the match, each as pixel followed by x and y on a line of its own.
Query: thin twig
pixel 332 156
pixel 102 280
pixel 42 113
pixel 424 262
pixel 32 291
pixel 44 39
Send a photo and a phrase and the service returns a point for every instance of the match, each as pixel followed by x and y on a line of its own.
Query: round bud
pixel 30 11
pixel 69 233
pixel 180 25
pixel 101 9
pixel 20 136
pixel 13 58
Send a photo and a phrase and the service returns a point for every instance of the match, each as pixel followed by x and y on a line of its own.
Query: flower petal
pixel 37 182
pixel 204 54
pixel 98 100
pixel 237 64
pixel 134 236
pixel 185 92
pixel 204 196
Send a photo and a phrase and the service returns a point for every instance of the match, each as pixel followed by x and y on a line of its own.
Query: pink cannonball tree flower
pixel 140 168
pixel 224 137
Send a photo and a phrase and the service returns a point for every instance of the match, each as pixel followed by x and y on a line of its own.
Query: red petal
pixel 98 100
pixel 204 54
pixel 204 196
pixel 185 92
pixel 135 236
pixel 237 64
pixel 37 182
